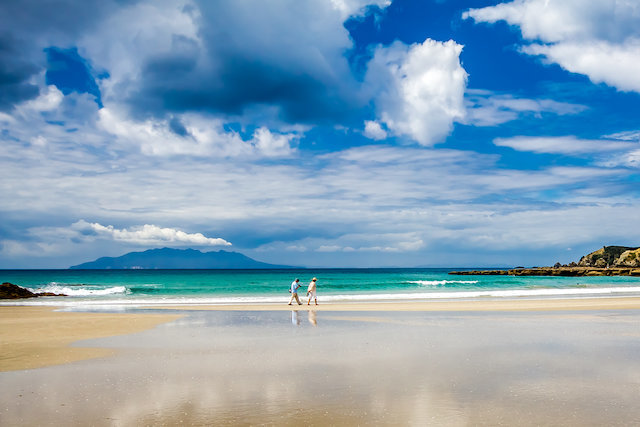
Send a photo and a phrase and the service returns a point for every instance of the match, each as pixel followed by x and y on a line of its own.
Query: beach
pixel 495 362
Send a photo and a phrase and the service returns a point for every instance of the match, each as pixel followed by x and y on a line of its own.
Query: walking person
pixel 311 291
pixel 294 291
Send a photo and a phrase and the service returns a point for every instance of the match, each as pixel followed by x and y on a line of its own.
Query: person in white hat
pixel 311 291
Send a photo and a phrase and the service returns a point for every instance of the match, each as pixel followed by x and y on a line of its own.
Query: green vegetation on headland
pixel 606 261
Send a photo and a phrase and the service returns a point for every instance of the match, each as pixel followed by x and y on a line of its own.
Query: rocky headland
pixel 606 261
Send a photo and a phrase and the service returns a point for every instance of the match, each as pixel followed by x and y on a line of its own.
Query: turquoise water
pixel 271 286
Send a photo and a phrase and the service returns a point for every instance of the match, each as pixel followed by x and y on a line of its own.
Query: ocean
pixel 131 288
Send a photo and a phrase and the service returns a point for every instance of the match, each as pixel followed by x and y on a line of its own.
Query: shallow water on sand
pixel 383 368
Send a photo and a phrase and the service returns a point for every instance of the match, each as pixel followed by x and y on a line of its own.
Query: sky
pixel 324 133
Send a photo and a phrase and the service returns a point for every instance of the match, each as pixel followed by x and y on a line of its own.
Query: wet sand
pixel 33 337
pixel 533 304
pixel 570 365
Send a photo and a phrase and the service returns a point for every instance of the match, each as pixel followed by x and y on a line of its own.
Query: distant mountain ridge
pixel 168 258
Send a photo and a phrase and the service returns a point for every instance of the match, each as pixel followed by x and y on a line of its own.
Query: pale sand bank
pixel 546 304
pixel 33 337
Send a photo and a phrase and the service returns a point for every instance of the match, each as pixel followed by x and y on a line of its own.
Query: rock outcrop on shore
pixel 554 271
pixel 11 291
pixel 612 256
pixel 606 261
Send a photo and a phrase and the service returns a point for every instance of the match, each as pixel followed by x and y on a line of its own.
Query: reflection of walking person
pixel 294 292
pixel 311 291
pixel 295 319
pixel 313 317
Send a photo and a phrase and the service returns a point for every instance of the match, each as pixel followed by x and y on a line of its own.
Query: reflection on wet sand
pixel 223 368
pixel 313 317
pixel 295 317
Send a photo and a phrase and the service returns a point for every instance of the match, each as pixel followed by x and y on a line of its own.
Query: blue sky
pixel 335 133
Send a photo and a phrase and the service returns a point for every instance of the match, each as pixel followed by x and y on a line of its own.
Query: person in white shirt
pixel 294 291
pixel 311 291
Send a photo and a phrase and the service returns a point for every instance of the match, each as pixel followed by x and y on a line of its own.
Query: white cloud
pixel 563 145
pixel 50 98
pixel 205 137
pixel 373 130
pixel 560 20
pixel 271 144
pixel 358 242
pixel 329 248
pixel 486 108
pixel 356 7
pixel 599 38
pixel 616 65
pixel 148 235
pixel 625 136
pixel 420 88
pixel 367 200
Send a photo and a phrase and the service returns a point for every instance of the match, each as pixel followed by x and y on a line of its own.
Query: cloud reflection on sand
pixel 401 368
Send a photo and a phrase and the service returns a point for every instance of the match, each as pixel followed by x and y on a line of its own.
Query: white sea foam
pixel 80 291
pixel 443 282
pixel 80 303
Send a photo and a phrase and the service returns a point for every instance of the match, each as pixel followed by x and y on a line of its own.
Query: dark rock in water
pixel 11 291
pixel 554 271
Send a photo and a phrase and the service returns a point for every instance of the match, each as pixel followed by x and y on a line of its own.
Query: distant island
pixel 606 261
pixel 167 258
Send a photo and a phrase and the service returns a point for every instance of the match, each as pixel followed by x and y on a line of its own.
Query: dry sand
pixel 33 337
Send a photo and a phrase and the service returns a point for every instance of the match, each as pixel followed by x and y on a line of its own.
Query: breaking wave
pixel 81 290
pixel 443 282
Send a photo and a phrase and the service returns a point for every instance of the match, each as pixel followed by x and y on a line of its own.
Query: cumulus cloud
pixel 287 62
pixel 196 136
pixel 373 130
pixel 420 88
pixel 15 74
pixel 30 26
pixel 148 235
pixel 570 145
pixel 272 144
pixel 600 39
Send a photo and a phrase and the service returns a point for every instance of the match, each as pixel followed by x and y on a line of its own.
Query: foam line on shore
pixel 276 299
